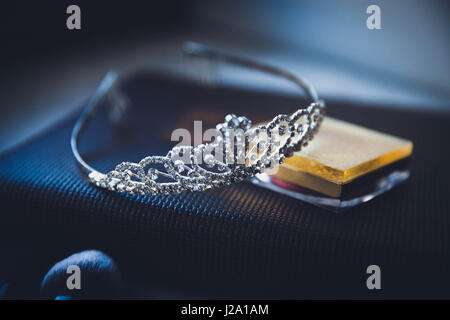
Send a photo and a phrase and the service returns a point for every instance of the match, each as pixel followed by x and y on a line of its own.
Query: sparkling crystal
pixel 152 173
pixel 112 182
pixel 198 153
pixel 231 121
pixel 220 127
pixel 218 140
pixel 209 160
pixel 244 123
pixel 179 165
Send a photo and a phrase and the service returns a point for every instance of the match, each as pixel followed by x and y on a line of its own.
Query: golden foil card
pixel 340 153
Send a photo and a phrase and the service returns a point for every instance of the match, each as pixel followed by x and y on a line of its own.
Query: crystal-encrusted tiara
pixel 238 151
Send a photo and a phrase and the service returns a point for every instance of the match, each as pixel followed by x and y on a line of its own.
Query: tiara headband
pixel 239 151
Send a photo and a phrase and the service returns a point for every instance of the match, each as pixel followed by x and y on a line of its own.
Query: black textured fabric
pixel 239 241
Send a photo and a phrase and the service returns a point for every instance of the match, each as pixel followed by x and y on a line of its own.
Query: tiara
pixel 239 150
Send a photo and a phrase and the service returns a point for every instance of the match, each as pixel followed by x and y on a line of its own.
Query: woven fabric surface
pixel 239 241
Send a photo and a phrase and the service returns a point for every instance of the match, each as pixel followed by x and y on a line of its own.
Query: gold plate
pixel 339 153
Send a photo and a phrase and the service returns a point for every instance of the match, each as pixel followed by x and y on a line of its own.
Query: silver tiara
pixel 239 150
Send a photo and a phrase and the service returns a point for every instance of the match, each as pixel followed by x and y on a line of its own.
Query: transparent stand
pixel 371 190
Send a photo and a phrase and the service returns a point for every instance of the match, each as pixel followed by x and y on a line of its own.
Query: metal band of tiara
pixel 239 151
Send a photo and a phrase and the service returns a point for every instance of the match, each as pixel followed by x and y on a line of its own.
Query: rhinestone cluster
pixel 243 152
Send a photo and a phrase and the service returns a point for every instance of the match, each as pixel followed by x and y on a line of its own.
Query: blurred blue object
pixel 405 64
pixel 100 278
pixel 406 61
pixel 3 289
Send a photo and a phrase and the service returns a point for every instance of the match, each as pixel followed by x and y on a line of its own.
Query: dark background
pixel 48 70
pixel 240 241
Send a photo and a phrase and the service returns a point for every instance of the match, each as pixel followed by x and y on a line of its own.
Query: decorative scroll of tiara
pixel 237 152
